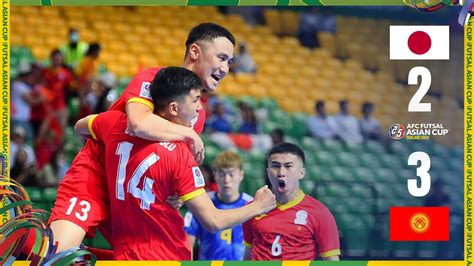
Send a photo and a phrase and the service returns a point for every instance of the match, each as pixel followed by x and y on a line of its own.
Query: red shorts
pixel 83 197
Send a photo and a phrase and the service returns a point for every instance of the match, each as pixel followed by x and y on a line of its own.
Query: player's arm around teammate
pixel 213 219
pixel 146 125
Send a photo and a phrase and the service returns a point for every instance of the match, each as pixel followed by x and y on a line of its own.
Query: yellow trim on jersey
pixel 292 203
pixel 330 253
pixel 247 245
pixel 193 194
pixel 89 126
pixel 140 100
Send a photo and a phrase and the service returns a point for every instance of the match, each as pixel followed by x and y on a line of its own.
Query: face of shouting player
pixel 285 170
pixel 212 61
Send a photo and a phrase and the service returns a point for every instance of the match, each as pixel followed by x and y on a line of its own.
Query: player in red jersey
pixel 301 227
pixel 82 201
pixel 141 175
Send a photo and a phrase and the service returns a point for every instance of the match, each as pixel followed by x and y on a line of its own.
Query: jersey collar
pixel 291 203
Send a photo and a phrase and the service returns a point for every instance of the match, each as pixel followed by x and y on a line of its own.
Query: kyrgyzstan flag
pixel 419 42
pixel 419 224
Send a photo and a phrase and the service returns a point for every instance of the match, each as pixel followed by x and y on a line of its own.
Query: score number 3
pixel 422 172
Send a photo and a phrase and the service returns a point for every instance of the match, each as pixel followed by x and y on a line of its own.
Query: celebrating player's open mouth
pixel 215 77
pixel 281 186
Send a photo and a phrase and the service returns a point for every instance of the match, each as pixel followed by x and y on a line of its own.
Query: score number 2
pixel 415 104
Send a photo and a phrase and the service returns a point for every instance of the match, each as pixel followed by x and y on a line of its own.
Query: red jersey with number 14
pixel 140 176
pixel 301 229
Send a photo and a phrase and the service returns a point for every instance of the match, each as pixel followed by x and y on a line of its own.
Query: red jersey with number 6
pixel 140 176
pixel 302 229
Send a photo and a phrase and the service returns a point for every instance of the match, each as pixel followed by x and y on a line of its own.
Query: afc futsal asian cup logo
pixel 417 131
pixel 397 131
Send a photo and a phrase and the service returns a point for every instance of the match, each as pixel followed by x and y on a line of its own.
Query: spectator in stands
pixel 46 146
pixel 88 67
pixel 309 25
pixel 369 126
pixel 219 122
pixel 99 98
pixel 86 72
pixel 75 50
pixel 58 80
pixel 243 61
pixel 319 123
pixel 345 125
pixel 249 123
pixel 328 22
pixel 18 143
pixel 53 172
pixel 278 136
pixel 21 171
pixel 23 98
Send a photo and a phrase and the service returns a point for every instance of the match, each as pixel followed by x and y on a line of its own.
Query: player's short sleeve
pixel 189 181
pixel 248 233
pixel 327 235
pixel 191 224
pixel 138 90
pixel 99 125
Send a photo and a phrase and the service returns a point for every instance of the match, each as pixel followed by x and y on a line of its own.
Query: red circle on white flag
pixel 419 42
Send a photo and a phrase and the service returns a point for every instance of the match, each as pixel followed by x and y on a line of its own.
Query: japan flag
pixel 419 42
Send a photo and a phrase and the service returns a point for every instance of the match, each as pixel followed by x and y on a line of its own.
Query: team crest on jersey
pixel 145 90
pixel 198 177
pixel 301 217
pixel 188 218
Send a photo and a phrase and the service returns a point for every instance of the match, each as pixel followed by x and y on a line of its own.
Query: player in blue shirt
pixel 227 244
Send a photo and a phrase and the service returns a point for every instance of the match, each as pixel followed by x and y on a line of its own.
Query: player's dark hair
pixel 286 147
pixel 208 32
pixel 171 83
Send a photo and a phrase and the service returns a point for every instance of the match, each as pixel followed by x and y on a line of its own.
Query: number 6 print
pixel 276 247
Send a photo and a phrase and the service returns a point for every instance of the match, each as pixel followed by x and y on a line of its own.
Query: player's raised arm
pixel 143 123
pixel 215 219
pixel 82 126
